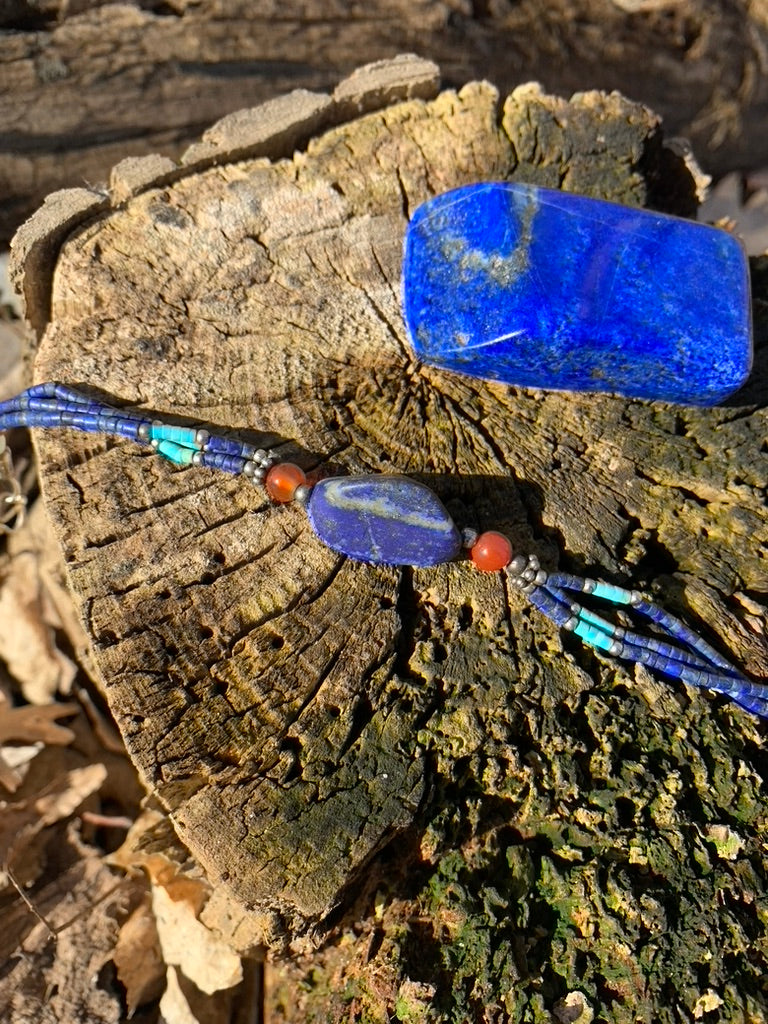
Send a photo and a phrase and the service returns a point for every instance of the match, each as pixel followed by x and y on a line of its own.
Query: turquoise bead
pixel 390 520
pixel 614 594
pixel 175 453
pixel 186 436
pixel 592 636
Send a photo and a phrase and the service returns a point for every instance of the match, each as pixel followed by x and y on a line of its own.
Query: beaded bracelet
pixel 394 520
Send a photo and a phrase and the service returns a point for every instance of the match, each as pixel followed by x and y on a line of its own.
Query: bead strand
pixel 396 520
pixel 53 405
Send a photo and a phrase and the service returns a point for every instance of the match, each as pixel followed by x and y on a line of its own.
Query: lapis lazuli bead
pixel 545 289
pixel 390 520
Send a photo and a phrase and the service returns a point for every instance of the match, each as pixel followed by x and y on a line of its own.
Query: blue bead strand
pixel 549 604
pixel 231 446
pixel 54 405
pixel 695 662
pixel 627 637
pixel 88 422
pixel 397 521
pixel 225 463
pixel 671 625
pixel 61 392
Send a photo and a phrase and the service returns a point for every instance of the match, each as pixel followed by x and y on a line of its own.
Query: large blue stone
pixel 385 519
pixel 545 289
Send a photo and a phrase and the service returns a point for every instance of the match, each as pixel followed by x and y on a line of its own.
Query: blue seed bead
pixel 228 446
pixel 221 461
pixel 390 520
pixel 550 605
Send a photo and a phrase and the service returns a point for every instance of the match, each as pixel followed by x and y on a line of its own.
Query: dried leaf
pixel 33 723
pixel 13 764
pixel 81 783
pixel 139 959
pixel 22 822
pixel 150 844
pixel 174 1007
pixel 65 980
pixel 27 632
pixel 189 945
pixel 182 1003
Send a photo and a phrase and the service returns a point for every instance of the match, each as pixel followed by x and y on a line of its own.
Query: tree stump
pixel 573 836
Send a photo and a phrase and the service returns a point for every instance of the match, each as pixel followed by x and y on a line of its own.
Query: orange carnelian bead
pixel 491 551
pixel 282 480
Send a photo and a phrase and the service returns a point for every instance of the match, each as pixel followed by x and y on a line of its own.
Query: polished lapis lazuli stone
pixel 545 289
pixel 386 519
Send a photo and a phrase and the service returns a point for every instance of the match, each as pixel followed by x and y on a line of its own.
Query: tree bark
pixel 566 828
pixel 84 84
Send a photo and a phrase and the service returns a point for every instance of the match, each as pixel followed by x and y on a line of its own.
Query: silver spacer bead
pixel 302 493
pixel 616 648
pixel 249 469
pixel 154 443
pixel 533 562
pixel 529 575
pixel 575 608
pixel 636 597
pixel 541 577
pixel 197 459
pixel 202 437
pixel 259 475
pixel 258 455
pixel 588 586
pixel 571 624
pixel 143 432
pixel 518 564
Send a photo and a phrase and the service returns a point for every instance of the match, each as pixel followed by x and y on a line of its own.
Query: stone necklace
pixel 483 238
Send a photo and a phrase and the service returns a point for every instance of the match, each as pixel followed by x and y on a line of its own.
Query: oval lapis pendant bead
pixel 545 289
pixel 390 520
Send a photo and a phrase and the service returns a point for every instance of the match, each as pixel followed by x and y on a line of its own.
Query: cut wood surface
pixel 567 825
pixel 83 84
